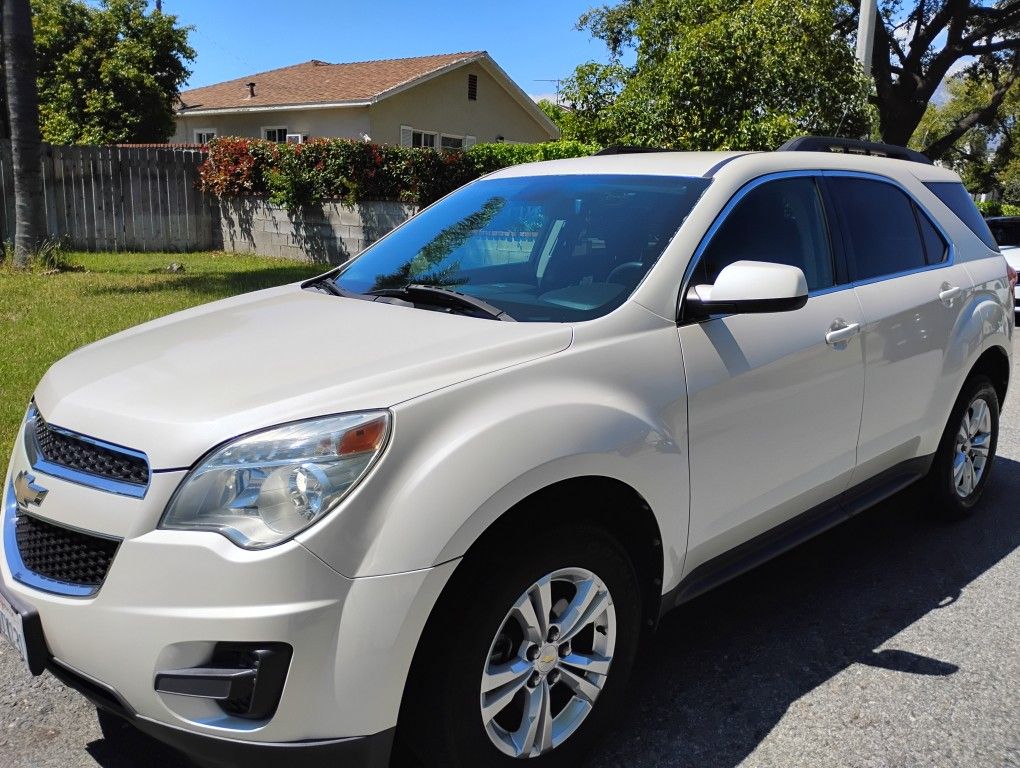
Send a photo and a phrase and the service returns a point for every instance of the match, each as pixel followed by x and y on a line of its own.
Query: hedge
pixel 997 208
pixel 294 175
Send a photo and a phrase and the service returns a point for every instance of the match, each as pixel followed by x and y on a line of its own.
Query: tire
pixel 950 496
pixel 479 630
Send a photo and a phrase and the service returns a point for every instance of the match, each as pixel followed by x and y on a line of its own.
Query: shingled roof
pixel 319 82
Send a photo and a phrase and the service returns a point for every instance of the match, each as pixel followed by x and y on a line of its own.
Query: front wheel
pixel 527 655
pixel 963 462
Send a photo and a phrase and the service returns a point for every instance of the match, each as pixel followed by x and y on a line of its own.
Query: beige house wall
pixel 441 105
pixel 352 122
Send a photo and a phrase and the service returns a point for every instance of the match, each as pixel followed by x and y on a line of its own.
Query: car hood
pixel 178 386
pixel 1012 254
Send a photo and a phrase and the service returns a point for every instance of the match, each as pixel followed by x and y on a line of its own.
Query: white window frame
pixel 407 137
pixel 277 128
pixel 199 132
pixel 463 140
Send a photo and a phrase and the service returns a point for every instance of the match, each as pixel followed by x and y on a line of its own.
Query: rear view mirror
pixel 749 286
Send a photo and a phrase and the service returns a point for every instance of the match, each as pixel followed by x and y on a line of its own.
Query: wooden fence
pixel 119 199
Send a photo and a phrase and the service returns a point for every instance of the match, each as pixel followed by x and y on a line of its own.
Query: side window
pixel 881 230
pixel 935 248
pixel 959 201
pixel 782 222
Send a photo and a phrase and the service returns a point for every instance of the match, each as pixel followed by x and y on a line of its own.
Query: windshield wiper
pixel 444 297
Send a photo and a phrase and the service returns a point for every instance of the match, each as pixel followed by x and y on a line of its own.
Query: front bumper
pixel 367 751
pixel 170 596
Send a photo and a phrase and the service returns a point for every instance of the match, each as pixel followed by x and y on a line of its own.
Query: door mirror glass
pixel 749 286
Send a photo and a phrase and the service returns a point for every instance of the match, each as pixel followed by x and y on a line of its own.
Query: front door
pixel 774 409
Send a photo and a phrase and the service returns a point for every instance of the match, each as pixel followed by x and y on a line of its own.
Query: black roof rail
pixel 622 149
pixel 853 147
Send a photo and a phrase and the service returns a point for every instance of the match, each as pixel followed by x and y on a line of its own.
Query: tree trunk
pixel 23 110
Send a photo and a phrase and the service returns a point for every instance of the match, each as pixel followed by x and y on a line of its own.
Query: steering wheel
pixel 621 268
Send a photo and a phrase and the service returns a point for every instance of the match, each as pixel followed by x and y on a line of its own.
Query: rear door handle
pixel 840 332
pixel 949 294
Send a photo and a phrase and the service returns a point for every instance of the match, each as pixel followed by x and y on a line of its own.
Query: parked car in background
pixel 1006 231
pixel 441 493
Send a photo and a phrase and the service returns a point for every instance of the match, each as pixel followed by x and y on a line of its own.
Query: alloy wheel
pixel 548 663
pixel 973 442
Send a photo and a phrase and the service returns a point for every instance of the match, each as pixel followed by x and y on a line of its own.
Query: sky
pixel 533 40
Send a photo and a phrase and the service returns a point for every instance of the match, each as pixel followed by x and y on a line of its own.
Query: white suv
pixel 441 493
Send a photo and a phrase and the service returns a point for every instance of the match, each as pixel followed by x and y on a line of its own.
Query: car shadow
pixel 723 669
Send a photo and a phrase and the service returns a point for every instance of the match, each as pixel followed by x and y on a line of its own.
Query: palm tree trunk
pixel 23 109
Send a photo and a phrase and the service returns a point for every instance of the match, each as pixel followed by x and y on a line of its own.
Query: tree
pixel 985 155
pixel 917 45
pixel 23 120
pixel 592 93
pixel 714 74
pixel 109 73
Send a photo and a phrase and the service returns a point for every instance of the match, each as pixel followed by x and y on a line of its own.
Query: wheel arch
pixel 994 363
pixel 607 502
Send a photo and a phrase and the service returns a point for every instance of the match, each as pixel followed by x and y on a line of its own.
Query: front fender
pixel 461 457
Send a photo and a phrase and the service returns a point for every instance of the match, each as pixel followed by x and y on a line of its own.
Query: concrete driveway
pixel 890 641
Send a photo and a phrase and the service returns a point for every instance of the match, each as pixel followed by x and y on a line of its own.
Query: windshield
pixel 544 248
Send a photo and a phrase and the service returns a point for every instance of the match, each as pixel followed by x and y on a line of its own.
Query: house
pixel 449 100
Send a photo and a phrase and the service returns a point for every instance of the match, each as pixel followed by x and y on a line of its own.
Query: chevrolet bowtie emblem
pixel 27 492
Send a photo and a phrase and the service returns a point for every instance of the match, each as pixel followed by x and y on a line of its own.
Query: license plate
pixel 23 631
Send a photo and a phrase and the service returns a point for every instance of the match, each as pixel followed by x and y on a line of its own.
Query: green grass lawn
pixel 43 317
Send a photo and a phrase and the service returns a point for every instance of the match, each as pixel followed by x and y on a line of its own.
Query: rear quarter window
pixel 959 201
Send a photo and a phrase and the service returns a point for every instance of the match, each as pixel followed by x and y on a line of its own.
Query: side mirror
pixel 749 286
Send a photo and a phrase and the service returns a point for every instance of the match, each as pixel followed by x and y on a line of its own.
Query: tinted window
pixel 935 248
pixel 1005 231
pixel 959 201
pixel 542 248
pixel 782 222
pixel 881 230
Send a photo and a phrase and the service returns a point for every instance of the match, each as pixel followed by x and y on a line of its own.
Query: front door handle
pixel 949 294
pixel 840 332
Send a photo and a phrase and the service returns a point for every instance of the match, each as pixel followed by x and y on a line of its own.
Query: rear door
pixel 774 409
pixel 911 294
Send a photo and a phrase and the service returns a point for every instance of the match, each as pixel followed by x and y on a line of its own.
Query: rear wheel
pixel 527 655
pixel 963 462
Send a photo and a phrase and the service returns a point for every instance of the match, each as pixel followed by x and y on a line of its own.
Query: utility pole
pixel 866 33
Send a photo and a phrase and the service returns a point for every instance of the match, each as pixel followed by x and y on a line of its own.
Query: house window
pixel 415 137
pixel 423 139
pixel 472 87
pixel 204 135
pixel 452 142
pixel 276 133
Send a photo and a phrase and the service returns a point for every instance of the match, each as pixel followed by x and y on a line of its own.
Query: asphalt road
pixel 889 642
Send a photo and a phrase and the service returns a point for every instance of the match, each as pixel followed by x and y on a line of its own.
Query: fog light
pixel 245 679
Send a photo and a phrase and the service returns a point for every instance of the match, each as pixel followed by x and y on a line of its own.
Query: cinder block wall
pixel 326 234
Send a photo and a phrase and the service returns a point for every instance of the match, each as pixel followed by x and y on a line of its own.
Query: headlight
pixel 267 487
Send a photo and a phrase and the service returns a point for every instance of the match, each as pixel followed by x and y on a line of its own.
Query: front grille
pixel 67 450
pixel 62 554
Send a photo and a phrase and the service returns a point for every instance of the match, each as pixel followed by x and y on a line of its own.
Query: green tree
pixel 592 92
pixel 711 74
pixel 986 154
pixel 109 73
